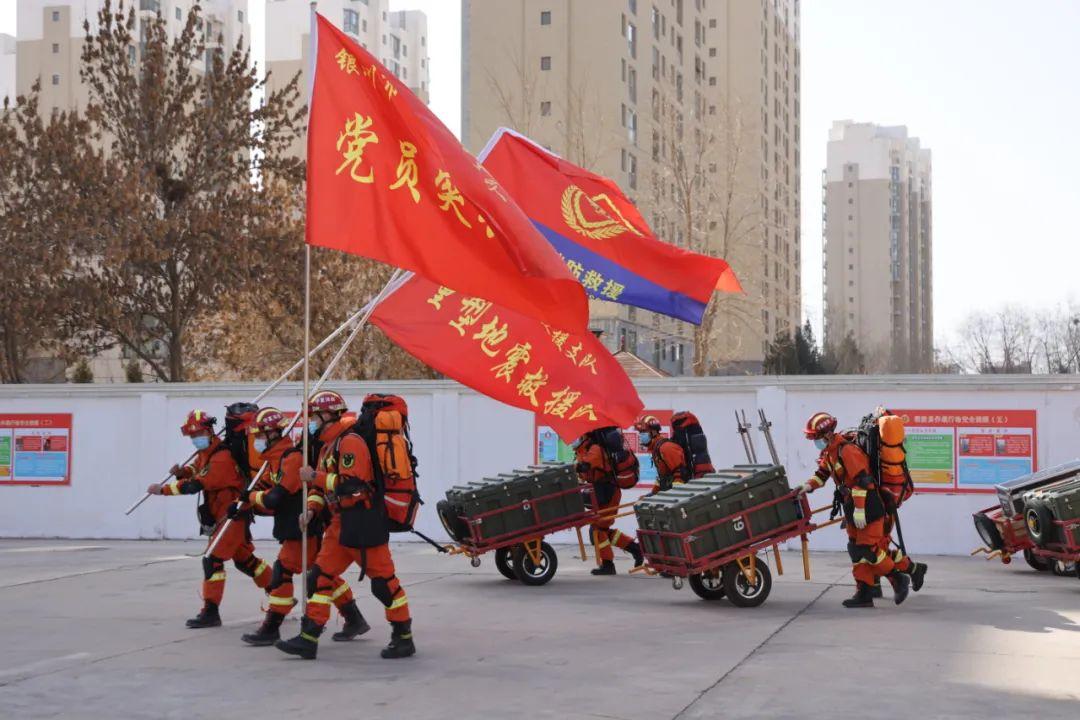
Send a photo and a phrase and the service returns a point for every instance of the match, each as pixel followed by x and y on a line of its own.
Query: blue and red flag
pixel 605 241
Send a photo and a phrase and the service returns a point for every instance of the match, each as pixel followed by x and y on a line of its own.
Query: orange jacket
pixel 669 459
pixel 344 465
pixel 846 463
pixel 214 472
pixel 281 479
pixel 593 463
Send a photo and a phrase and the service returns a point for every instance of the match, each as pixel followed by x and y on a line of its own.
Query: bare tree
pixel 516 97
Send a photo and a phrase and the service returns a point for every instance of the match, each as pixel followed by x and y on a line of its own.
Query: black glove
pixel 582 467
pixel 347 486
pixel 233 511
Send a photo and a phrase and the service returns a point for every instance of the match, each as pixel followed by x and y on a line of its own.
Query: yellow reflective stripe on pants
pixel 274 600
pixel 262 567
pixel 340 591
pixel 604 545
pixel 217 577
pixel 400 602
pixel 309 638
pixel 858 492
pixel 615 537
pixel 320 599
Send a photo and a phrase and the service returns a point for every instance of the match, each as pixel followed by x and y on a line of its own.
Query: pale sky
pixel 990 86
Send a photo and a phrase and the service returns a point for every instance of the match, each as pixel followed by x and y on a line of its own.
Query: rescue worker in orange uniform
pixel 594 467
pixel 214 472
pixel 280 494
pixel 357 532
pixel 864 510
pixel 668 457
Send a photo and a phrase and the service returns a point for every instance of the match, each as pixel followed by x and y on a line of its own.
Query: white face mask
pixel 821 443
pixel 261 444
pixel 201 442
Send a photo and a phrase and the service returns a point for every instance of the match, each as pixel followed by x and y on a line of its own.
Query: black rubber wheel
pixel 708 586
pixel 1036 562
pixel 741 592
pixel 505 563
pixel 988 532
pixel 1062 569
pixel 528 572
pixel 1040 523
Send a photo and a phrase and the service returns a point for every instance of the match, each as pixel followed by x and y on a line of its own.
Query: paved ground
pixel 95 629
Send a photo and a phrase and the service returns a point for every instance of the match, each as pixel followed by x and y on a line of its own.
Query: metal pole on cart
pixel 766 429
pixel 742 436
pixel 748 440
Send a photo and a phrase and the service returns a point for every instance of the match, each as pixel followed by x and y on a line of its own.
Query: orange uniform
pixel 867 546
pixel 594 467
pixel 281 496
pixel 357 532
pixel 214 472
pixel 670 462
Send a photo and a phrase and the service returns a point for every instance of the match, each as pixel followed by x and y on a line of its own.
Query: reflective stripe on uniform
pixel 217 577
pixel 340 591
pixel 331 480
pixel 259 498
pixel 604 545
pixel 320 599
pixel 615 536
pixel 858 492
pixel 261 568
pixel 316 498
pixel 309 638
pixel 398 603
pixel 275 600
pixel 174 487
pixel 882 556
pixel 394 501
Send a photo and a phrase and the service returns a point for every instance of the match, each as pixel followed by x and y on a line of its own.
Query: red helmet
pixel 326 401
pixel 197 421
pixel 266 420
pixel 646 423
pixel 819 425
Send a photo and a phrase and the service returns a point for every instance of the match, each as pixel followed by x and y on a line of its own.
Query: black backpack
pixel 236 439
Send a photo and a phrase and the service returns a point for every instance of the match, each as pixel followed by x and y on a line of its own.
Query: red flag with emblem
pixel 387 180
pixel 569 380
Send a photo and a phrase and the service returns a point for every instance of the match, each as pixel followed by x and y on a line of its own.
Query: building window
pixel 631 170
pixel 712 81
pixel 423 41
pixel 631 81
pixel 179 14
pixel 545 17
pixel 240 15
pixel 545 62
pixel 631 39
pixel 56 16
pixel 352 22
pixel 545 108
pixel 55 79
pixel 363 25
pixel 56 48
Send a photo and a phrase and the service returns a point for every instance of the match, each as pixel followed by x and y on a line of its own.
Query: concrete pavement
pixel 95 629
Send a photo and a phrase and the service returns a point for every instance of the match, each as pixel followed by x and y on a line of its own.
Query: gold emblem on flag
pixel 604 219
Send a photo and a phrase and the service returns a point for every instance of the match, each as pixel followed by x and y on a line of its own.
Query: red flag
pixel 569 380
pixel 604 239
pixel 387 180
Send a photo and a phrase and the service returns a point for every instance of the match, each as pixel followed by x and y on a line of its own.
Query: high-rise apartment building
pixel 398 39
pixel 692 107
pixel 878 272
pixel 7 67
pixel 50 37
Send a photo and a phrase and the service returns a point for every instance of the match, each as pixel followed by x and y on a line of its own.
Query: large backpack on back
pixel 384 425
pixel 626 469
pixel 687 432
pixel 881 436
pixel 237 438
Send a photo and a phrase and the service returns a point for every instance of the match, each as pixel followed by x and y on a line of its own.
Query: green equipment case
pixel 1058 501
pixel 693 505
pixel 530 488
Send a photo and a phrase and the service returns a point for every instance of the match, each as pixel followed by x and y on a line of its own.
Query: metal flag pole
pixel 396 281
pixel 352 320
pixel 304 425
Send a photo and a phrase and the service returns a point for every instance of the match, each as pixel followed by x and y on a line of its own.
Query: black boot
pixel 863 597
pixel 355 624
pixel 268 633
pixel 401 642
pixel 635 551
pixel 901 583
pixel 606 568
pixel 918 576
pixel 876 592
pixel 207 617
pixel 306 644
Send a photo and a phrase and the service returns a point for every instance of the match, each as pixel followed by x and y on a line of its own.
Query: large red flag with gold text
pixel 387 180
pixel 569 380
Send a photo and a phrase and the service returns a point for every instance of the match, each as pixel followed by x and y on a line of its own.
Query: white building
pixel 7 66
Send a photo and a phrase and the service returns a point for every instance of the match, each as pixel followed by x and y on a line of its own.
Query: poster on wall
pixel 35 449
pixel 969 451
pixel 550 448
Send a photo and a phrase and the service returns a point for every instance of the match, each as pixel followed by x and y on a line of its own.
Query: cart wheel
pixel 1060 568
pixel 708 586
pixel 988 532
pixel 1040 524
pixel 505 563
pixel 1036 562
pixel 528 572
pixel 742 593
pixel 475 562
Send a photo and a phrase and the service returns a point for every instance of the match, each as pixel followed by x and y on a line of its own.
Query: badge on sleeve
pixel 347 460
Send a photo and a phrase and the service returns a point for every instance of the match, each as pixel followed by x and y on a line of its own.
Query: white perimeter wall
pixel 125 437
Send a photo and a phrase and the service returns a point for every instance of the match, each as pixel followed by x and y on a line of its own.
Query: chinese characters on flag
pixel 569 380
pixel 386 179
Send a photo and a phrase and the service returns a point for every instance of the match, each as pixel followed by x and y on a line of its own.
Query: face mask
pixel 821 443
pixel 577 443
pixel 201 442
pixel 313 427
pixel 644 438
pixel 261 444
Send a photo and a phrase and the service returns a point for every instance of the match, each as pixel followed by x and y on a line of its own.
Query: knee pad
pixel 311 582
pixel 862 553
pixel 853 551
pixel 279 576
pixel 380 588
pixel 211 565
pixel 247 566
